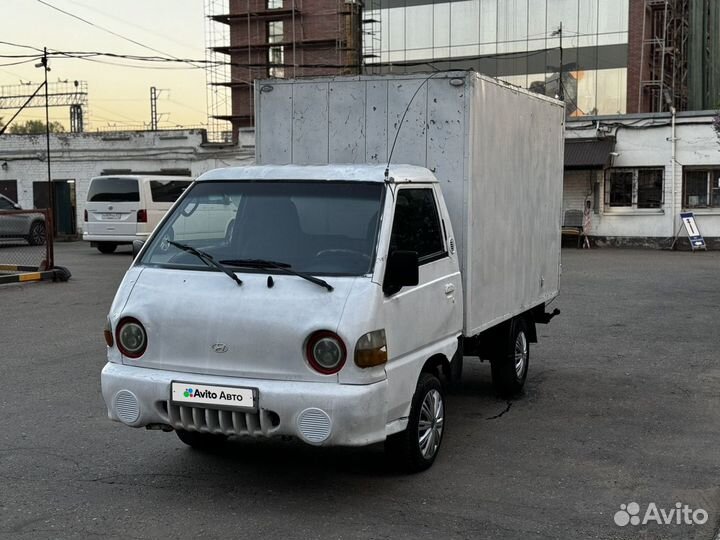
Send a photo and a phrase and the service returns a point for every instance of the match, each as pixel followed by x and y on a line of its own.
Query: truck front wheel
pixel 416 448
pixel 511 362
pixel 200 441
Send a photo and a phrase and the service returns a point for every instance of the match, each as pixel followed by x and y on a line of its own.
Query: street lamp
pixel 561 90
pixel 51 206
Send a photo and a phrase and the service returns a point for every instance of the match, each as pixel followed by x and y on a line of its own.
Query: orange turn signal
pixel 107 332
pixel 371 349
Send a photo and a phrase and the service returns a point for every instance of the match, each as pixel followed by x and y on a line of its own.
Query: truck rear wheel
pixel 416 448
pixel 511 362
pixel 106 247
pixel 200 441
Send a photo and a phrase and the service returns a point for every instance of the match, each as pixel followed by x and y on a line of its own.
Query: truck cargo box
pixel 497 151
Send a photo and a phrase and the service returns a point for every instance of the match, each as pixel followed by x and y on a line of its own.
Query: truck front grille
pixel 254 424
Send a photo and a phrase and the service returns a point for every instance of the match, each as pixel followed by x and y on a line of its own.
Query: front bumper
pixel 327 414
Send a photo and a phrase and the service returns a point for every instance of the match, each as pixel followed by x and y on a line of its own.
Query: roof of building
pixel 363 173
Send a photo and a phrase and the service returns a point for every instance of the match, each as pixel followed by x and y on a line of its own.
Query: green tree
pixel 35 127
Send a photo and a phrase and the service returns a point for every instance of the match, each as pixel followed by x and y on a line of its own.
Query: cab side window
pixel 416 226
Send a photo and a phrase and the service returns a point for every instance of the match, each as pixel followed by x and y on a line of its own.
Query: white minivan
pixel 124 208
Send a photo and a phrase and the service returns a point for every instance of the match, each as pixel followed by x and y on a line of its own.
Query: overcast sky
pixel 117 94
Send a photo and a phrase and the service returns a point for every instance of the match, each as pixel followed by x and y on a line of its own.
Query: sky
pixel 117 94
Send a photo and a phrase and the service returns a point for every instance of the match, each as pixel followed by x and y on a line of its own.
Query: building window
pixel 634 188
pixel 649 188
pixel 276 54
pixel 619 188
pixel 274 4
pixel 275 32
pixel 702 189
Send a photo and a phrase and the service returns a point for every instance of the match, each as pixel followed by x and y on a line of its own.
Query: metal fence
pixel 26 246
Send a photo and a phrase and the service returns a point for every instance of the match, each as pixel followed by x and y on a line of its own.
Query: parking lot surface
pixel 622 405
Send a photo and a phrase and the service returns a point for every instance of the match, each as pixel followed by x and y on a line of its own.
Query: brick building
pixel 285 38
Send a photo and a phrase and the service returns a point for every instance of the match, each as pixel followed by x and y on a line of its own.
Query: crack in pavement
pixel 509 404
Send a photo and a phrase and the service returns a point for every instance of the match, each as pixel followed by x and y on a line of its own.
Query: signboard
pixel 696 239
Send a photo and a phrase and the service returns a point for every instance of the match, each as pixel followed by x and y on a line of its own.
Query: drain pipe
pixel 673 141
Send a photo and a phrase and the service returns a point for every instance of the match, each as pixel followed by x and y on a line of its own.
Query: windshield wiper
pixel 207 259
pixel 283 267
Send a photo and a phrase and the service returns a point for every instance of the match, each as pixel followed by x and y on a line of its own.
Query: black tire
pixel 106 247
pixel 405 448
pixel 511 362
pixel 201 441
pixel 38 234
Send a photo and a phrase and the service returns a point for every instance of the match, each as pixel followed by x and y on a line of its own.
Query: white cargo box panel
pixel 496 149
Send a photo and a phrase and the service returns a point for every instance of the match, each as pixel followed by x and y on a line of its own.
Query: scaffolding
pixel 664 55
pixel 371 31
pixel 349 45
pixel 217 73
pixel 258 39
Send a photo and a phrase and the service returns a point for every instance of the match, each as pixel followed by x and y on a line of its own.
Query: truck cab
pixel 317 335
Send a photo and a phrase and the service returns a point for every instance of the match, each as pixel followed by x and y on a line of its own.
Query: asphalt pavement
pixel 622 406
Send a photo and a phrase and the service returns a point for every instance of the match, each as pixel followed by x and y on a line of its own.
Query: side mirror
pixel 401 270
pixel 137 246
pixel 16 206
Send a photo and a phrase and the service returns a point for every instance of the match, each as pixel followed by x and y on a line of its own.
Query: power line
pixel 154 31
pixel 86 21
pixel 28 61
pixel 101 27
pixel 21 46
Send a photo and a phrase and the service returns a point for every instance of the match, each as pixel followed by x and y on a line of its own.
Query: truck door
pixel 420 317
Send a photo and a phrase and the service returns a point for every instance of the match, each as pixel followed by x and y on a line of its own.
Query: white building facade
pixel 652 168
pixel 75 158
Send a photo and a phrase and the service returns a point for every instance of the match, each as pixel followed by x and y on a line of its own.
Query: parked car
pixel 26 226
pixel 120 209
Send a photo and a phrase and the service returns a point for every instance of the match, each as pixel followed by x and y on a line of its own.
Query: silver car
pixel 27 226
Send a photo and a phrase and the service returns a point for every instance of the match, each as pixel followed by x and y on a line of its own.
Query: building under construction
pixel 674 48
pixel 257 39
pixel 607 56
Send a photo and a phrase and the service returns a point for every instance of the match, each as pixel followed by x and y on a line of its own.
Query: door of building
pixel 64 216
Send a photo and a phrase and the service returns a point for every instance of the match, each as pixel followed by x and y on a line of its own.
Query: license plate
pixel 205 395
pixel 111 217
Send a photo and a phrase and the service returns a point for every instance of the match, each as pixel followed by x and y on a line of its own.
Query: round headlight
pixel 131 337
pixel 325 352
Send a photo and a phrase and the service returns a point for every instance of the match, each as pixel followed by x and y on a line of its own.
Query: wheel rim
pixel 38 235
pixel 521 354
pixel 430 425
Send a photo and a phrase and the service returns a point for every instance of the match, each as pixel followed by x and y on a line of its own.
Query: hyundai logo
pixel 219 348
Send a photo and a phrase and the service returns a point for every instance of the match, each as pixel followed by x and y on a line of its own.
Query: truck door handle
pixel 449 288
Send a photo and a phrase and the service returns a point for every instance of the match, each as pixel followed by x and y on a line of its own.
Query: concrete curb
pixel 56 274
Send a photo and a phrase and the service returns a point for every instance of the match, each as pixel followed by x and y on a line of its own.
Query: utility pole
pixel 153 108
pixel 50 228
pixel 561 87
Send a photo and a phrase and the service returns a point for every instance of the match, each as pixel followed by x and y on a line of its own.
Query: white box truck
pixel 332 294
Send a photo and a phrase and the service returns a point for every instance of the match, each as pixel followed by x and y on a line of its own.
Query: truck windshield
pixel 320 228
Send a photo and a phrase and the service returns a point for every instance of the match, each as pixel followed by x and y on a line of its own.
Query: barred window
pixel 640 188
pixel 701 188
